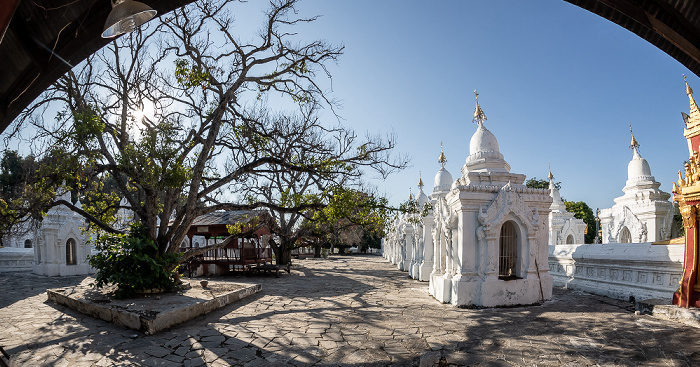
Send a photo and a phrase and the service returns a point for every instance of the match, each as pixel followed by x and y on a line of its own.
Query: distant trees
pixel 581 210
pixel 535 183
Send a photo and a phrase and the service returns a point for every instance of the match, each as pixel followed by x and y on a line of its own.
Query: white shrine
pixel 56 247
pixel 643 213
pixel 563 227
pixel 486 239
pixel 60 246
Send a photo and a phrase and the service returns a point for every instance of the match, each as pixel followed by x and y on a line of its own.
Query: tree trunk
pixel 317 249
pixel 285 256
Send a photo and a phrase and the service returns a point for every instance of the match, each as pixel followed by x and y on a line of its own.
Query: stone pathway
pixel 349 311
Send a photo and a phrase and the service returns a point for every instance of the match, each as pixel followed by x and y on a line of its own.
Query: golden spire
pixel 479 115
pixel 442 160
pixel 420 180
pixel 693 121
pixel 410 195
pixel 633 143
pixel 550 176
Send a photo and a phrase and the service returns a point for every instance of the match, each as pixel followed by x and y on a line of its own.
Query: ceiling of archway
pixel 671 25
pixel 44 37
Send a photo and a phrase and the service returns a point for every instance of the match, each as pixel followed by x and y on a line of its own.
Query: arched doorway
pixel 570 239
pixel 71 257
pixel 508 251
pixel 625 235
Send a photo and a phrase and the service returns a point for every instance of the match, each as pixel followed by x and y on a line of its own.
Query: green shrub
pixel 131 262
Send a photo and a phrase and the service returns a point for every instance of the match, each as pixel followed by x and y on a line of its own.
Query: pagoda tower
pixel 687 193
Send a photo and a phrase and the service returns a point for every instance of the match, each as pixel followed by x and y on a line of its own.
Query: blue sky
pixel 558 85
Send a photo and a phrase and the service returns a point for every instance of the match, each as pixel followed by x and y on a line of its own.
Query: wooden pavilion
pixel 239 254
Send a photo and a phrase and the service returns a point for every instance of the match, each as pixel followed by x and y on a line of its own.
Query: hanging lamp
pixel 126 15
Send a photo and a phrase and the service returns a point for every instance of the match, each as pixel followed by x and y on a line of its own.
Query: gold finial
pixel 692 120
pixel 410 195
pixel 420 180
pixel 479 115
pixel 633 143
pixel 550 176
pixel 442 160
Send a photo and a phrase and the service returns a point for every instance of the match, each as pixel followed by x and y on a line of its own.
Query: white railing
pixel 616 270
pixel 16 259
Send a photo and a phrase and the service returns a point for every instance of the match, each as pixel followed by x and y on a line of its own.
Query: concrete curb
pixel 150 322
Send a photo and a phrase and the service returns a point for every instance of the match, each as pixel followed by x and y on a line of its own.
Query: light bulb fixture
pixel 125 16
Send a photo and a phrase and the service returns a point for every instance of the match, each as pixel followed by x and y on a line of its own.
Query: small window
pixel 570 239
pixel 71 258
pixel 625 235
pixel 508 255
pixel 27 243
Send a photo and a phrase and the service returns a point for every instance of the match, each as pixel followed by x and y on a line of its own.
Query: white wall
pixel 621 271
pixel 16 259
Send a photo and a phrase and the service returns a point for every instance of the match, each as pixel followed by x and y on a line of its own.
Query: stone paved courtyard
pixel 350 311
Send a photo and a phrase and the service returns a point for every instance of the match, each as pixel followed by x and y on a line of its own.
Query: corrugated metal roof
pixel 225 217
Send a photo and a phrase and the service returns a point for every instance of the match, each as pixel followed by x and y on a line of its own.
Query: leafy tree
pixel 535 183
pixel 581 210
pixel 15 172
pixel 370 240
pixel 211 133
pixel 132 263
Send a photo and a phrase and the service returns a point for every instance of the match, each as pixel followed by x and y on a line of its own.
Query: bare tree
pixel 334 158
pixel 211 130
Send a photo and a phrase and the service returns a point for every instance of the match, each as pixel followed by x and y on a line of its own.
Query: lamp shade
pixel 126 16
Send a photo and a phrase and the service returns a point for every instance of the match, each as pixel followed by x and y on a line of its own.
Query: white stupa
pixel 643 213
pixel 563 227
pixel 490 232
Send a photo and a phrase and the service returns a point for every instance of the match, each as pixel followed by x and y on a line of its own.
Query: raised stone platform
pixel 663 309
pixel 152 312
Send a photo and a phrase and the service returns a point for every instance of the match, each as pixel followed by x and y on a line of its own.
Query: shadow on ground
pixel 358 311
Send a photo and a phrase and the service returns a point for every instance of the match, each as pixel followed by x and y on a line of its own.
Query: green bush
pixel 131 262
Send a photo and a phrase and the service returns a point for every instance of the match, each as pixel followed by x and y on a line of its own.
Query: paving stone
pixel 194 354
pixel 159 362
pixel 174 358
pixel 194 362
pixel 159 352
pixel 213 354
pixel 209 332
pixel 212 341
pixel 234 343
pixel 340 311
pixel 259 362
pixel 243 355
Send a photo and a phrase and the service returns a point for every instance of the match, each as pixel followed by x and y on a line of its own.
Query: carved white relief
pixel 625 218
pixel 506 202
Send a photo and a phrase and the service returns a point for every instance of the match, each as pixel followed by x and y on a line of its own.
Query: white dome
pixel 443 180
pixel 483 141
pixel 638 167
